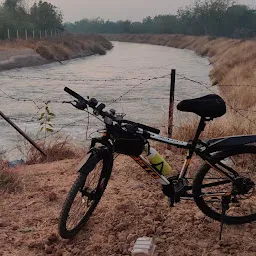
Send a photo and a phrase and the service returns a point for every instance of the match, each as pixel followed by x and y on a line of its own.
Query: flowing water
pixel 104 77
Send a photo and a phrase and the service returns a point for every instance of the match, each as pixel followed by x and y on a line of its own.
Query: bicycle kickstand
pixel 225 200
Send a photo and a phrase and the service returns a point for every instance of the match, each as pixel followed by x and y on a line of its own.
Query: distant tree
pixel 46 16
pixel 204 17
pixel 165 24
pixel 11 4
pixel 240 20
pixel 15 16
pixel 124 26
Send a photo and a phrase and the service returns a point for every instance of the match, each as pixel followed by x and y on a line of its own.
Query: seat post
pixel 200 128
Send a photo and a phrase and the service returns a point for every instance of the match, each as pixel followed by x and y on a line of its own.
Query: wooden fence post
pixel 22 133
pixel 26 34
pixel 45 33
pixel 33 34
pixel 17 33
pixel 40 34
pixel 171 104
pixel 8 34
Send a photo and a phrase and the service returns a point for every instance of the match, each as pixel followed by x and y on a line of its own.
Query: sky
pixel 134 10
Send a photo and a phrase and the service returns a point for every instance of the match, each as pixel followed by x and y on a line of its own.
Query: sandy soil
pixel 20 58
pixel 132 206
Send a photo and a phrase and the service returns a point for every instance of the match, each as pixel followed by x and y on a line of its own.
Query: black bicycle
pixel 223 189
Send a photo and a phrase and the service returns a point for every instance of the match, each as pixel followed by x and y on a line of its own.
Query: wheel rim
pixel 86 198
pixel 242 204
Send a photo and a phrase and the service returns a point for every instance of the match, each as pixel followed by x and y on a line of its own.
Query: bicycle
pixel 223 188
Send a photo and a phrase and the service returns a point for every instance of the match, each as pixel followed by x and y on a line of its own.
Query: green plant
pixel 45 119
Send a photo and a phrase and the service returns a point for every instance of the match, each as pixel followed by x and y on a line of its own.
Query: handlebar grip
pixel 74 94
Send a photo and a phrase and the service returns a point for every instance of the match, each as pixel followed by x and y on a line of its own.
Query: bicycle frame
pixel 195 146
pixel 151 170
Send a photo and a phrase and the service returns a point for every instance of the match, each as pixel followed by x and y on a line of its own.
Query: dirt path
pixel 132 206
pixel 20 58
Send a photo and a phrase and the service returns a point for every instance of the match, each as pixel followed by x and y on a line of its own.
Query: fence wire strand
pixel 210 90
pixel 120 98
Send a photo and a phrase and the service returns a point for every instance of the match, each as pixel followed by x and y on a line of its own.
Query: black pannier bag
pixel 128 143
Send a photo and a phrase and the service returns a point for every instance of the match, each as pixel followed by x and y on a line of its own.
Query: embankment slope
pixel 22 53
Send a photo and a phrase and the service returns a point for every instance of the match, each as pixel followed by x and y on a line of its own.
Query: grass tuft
pixel 55 151
pixel 9 181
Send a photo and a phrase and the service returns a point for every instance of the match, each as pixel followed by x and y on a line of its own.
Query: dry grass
pixel 234 63
pixel 62 48
pixel 55 151
pixel 9 181
pixel 224 126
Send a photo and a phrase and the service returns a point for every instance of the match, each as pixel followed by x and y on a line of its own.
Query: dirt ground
pixel 132 206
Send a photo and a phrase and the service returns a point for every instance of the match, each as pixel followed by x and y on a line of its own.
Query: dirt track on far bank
pixel 20 58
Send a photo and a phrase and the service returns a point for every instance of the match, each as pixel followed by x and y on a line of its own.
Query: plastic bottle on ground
pixel 144 246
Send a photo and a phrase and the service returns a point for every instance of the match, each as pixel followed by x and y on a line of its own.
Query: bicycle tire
pixel 79 184
pixel 197 185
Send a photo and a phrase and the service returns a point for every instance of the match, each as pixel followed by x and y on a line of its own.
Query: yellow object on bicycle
pixel 159 163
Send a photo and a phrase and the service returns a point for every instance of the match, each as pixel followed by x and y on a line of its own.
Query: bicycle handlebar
pixel 82 102
pixel 74 94
pixel 143 126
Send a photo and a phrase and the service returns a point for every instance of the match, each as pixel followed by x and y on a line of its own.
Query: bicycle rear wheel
pixel 210 185
pixel 84 195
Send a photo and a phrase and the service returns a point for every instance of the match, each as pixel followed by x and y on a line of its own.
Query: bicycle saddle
pixel 211 105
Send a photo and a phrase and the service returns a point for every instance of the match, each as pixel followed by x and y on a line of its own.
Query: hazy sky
pixel 121 9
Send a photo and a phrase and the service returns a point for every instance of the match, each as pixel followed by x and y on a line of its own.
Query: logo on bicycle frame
pixel 145 166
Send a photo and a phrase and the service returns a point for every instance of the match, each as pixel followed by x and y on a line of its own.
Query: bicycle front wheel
pixel 84 195
pixel 211 185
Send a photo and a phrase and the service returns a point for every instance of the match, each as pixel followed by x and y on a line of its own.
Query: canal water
pixel 118 79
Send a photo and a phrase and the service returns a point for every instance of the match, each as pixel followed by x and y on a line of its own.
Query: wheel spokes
pixel 242 189
pixel 85 197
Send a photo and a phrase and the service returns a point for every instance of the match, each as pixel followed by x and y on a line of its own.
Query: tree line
pixel 14 15
pixel 204 17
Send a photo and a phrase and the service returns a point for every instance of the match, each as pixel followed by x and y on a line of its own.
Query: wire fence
pixel 26 34
pixel 38 104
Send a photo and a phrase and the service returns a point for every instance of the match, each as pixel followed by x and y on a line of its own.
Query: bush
pixel 55 151
pixel 45 52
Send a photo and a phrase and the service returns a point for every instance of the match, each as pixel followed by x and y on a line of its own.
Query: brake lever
pixel 78 104
pixel 71 102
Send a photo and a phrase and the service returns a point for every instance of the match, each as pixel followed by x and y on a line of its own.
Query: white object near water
pixel 144 246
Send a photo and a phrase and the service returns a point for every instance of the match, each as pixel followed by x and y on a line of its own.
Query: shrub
pixel 55 151
pixel 45 52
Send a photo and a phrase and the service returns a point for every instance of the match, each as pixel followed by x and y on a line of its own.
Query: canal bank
pixel 25 53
